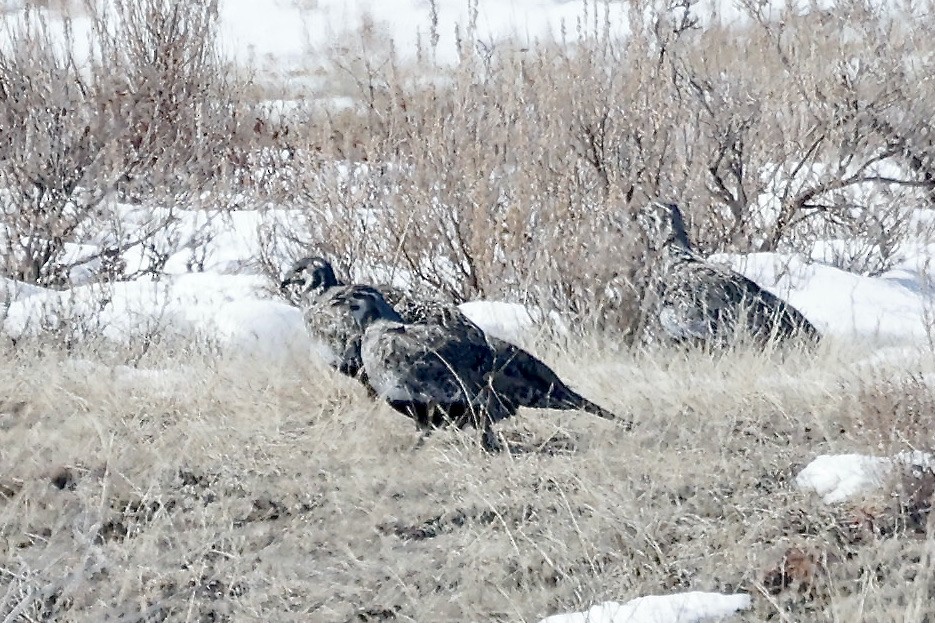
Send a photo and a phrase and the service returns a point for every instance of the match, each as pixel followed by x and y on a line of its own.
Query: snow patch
pixel 839 477
pixel 508 321
pixel 679 608
pixel 11 290
pixel 228 310
pixel 284 37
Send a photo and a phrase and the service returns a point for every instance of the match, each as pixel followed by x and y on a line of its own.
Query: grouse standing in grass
pixel 436 374
pixel 516 377
pixel 705 304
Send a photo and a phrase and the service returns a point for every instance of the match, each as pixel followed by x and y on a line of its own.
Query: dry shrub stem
pixel 515 172
pixel 144 112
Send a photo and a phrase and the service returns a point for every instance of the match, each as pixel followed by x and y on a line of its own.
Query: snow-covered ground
pixel 213 288
pixel 226 310
pixel 508 321
pixel 291 35
pixel 210 289
pixel 300 31
pixel 288 38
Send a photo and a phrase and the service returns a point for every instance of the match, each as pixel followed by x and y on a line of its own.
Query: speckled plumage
pixel 311 284
pixel 436 374
pixel 509 377
pixel 706 304
pixel 518 378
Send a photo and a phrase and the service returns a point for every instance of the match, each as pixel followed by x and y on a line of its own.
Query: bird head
pixel 366 305
pixel 310 275
pixel 664 227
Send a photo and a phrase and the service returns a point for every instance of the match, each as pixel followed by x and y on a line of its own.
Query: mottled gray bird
pixel 706 304
pixel 307 279
pixel 436 374
pixel 519 378
pixel 311 284
pixel 516 377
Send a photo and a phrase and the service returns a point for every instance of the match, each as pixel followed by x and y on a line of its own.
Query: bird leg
pixel 423 437
pixel 490 441
pixel 483 409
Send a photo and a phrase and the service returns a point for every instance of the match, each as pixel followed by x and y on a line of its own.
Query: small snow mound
pixel 678 608
pixel 838 477
pixel 224 309
pixel 267 328
pixel 508 321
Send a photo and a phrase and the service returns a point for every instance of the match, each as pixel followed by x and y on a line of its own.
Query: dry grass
pixel 240 492
pixel 245 492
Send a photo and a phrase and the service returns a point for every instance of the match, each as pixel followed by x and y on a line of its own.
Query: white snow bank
pixel 11 290
pixel 893 306
pixel 274 34
pixel 280 36
pixel 228 310
pixel 285 36
pixel 508 321
pixel 678 608
pixel 224 302
pixel 201 240
pixel 512 322
pixel 838 477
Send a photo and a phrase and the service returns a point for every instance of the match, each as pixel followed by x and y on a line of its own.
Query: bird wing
pixel 426 311
pixel 705 301
pixel 413 310
pixel 424 363
pixel 521 378
pixel 395 297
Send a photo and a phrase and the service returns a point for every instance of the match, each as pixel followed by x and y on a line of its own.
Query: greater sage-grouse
pixel 516 377
pixel 436 374
pixel 706 304
pixel 312 285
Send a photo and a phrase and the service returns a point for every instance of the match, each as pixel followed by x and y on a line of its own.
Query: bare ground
pixel 232 491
